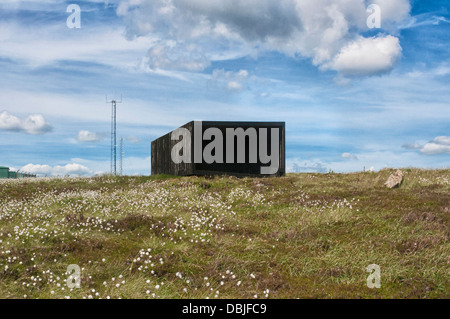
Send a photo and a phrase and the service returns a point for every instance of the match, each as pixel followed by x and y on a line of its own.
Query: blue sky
pixel 351 97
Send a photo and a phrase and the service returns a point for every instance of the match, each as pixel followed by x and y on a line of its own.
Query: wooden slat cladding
pixel 161 148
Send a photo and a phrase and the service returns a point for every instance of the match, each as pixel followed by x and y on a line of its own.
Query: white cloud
pixel 229 80
pixel 393 12
pixel 234 86
pixel 440 145
pixel 327 31
pixel 33 124
pixel 50 43
pixel 29 4
pixel 367 160
pixel 349 156
pixel 424 19
pixel 131 165
pixel 86 136
pixel 68 169
pixel 443 140
pixel 435 148
pixel 36 124
pixel 9 122
pixel 188 34
pixel 82 107
pixel 37 169
pixel 367 56
pixel 173 56
pixel 442 69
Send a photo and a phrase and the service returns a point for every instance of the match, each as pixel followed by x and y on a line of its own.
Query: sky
pixel 354 94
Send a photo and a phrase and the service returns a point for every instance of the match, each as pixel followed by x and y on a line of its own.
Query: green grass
pixel 299 236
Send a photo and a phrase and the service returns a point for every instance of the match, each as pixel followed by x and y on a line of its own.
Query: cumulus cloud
pixel 349 156
pixel 443 140
pixel 229 80
pixel 86 136
pixel 193 32
pixel 367 56
pixel 47 170
pixel 440 145
pixel 33 124
pixel 9 122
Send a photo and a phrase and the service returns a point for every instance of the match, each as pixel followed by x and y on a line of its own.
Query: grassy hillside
pixel 299 236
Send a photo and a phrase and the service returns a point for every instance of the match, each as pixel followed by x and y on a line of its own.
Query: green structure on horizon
pixel 6 173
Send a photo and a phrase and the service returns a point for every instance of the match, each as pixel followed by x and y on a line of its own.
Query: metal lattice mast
pixel 113 134
pixel 113 137
pixel 121 157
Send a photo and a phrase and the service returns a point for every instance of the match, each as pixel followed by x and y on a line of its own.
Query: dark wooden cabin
pixel 194 142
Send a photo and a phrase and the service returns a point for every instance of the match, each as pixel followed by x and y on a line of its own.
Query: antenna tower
pixel 113 134
pixel 121 156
